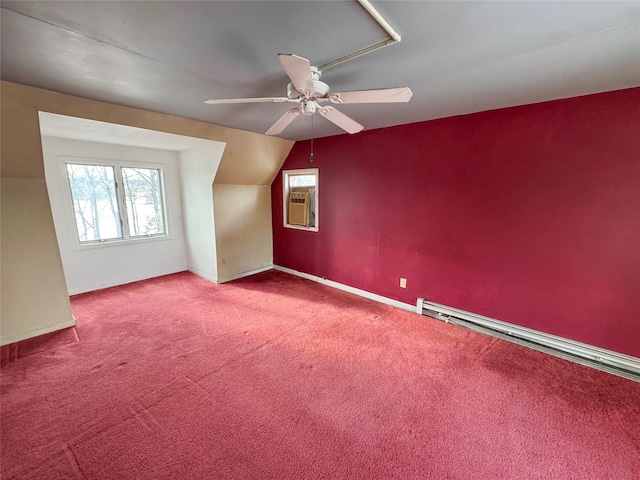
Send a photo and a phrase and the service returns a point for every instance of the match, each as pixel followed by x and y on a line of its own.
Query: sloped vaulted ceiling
pixel 457 57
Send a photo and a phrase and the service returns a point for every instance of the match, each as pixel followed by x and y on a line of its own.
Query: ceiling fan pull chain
pixel 311 155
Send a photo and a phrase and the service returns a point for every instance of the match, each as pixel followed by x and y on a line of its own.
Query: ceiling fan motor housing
pixel 321 90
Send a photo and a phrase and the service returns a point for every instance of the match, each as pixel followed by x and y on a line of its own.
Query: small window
pixel 300 199
pixel 113 202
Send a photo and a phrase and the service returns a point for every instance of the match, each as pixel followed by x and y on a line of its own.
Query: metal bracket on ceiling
pixel 393 38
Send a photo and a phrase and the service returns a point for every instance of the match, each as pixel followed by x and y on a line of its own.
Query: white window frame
pixel 126 239
pixel 285 198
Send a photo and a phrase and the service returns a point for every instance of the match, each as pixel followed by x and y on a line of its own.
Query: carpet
pixel 48 341
pixel 273 376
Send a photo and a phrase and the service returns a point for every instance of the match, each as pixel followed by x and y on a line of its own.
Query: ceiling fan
pixel 310 94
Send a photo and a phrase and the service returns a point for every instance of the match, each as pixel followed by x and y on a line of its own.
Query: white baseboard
pixel 347 288
pixel 595 357
pixel 202 274
pixel 244 274
pixel 52 327
pixel 136 278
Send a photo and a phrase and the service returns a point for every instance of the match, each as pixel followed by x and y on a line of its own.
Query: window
pixel 300 199
pixel 114 202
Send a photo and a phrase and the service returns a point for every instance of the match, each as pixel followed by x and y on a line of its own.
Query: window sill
pixel 300 227
pixel 120 242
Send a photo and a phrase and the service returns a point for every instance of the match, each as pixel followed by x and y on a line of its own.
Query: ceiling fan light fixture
pixel 309 107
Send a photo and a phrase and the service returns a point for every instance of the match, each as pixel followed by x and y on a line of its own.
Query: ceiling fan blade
pixel 299 71
pixel 218 101
pixel 348 124
pixel 284 121
pixel 382 95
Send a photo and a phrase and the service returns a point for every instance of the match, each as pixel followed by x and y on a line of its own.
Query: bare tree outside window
pixel 143 198
pixel 100 202
pixel 95 204
pixel 302 181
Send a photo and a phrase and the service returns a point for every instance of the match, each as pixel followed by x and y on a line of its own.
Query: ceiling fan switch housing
pixel 309 107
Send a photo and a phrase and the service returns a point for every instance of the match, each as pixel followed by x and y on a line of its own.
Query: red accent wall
pixel 530 215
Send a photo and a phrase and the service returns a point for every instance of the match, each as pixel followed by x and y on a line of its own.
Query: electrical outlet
pixel 403 283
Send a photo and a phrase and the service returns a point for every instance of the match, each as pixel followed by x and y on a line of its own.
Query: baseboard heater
pixel 616 363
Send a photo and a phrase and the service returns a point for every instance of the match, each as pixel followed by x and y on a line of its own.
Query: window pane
pixel 302 180
pixel 93 191
pixel 143 194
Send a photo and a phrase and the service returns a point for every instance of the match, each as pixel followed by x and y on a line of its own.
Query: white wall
pixel 198 167
pixel 244 240
pixel 91 267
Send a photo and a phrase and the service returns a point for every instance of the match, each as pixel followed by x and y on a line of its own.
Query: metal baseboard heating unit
pixel 616 363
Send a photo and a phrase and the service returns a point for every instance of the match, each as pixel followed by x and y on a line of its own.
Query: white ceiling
pixel 457 57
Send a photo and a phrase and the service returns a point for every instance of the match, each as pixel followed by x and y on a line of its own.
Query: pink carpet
pixel 277 377
pixel 48 341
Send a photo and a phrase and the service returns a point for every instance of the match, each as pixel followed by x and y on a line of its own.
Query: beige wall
pixel 244 238
pixel 30 257
pixel 34 292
